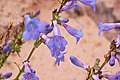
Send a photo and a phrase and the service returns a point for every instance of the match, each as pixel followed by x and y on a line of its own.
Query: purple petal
pixel 118 58
pixel 7 75
pixel 27 35
pixel 96 77
pixel 56 29
pixel 76 62
pixel 110 77
pixel 106 26
pixel 64 20
pixel 74 32
pixel 35 35
pixel 112 59
pixel 69 5
pixel 118 41
pixel 89 3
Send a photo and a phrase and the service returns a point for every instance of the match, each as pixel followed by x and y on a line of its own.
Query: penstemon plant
pixel 32 28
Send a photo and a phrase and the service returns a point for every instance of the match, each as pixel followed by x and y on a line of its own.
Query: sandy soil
pixel 90 47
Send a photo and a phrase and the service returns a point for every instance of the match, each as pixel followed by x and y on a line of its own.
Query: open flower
pixel 77 62
pixel 90 3
pixel 56 43
pixel 33 27
pixel 106 26
pixel 29 74
pixel 74 32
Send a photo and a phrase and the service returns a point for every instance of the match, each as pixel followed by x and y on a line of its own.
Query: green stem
pixel 22 69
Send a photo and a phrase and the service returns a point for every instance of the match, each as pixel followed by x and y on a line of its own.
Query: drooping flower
pixel 112 59
pixel 90 3
pixel 56 43
pixel 29 74
pixel 7 75
pixel 118 41
pixel 33 27
pixel 106 26
pixel 77 62
pixel 113 77
pixel 74 32
pixel 7 46
pixel 69 5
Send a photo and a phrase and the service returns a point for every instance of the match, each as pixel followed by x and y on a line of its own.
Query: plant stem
pixel 22 69
pixel 28 58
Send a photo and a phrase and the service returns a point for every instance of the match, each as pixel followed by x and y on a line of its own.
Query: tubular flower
pixel 77 62
pixel 33 27
pixel 69 5
pixel 29 74
pixel 56 44
pixel 90 3
pixel 106 26
pixel 113 77
pixel 74 32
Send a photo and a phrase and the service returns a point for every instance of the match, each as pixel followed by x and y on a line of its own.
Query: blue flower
pixel 7 75
pixel 78 63
pixel 113 77
pixel 69 5
pixel 90 3
pixel 112 59
pixel 29 74
pixel 7 46
pixel 33 27
pixel 74 32
pixel 106 26
pixel 56 43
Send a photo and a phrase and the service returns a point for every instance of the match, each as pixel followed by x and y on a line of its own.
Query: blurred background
pixel 90 47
